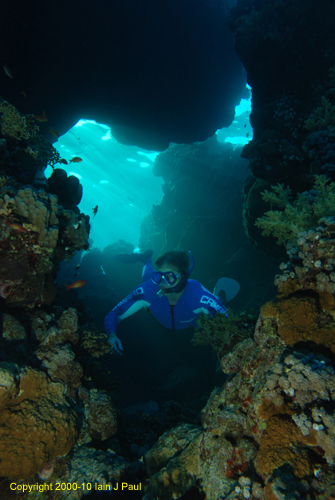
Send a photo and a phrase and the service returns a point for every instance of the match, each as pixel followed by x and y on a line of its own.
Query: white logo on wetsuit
pixel 211 302
pixel 138 291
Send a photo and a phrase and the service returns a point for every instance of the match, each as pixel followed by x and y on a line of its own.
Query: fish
pixel 75 159
pixel 76 284
pixel 62 160
pixel 75 274
pixel 23 93
pixel 55 133
pixel 77 266
pixel 41 118
pixel 7 71
pixel 95 210
pixel 17 227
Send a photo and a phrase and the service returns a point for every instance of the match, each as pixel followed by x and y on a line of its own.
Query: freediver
pixel 173 299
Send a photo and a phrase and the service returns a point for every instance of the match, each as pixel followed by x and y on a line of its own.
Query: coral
pixel 100 415
pixel 307 282
pixel 306 382
pixel 280 399
pixel 37 209
pixel 179 475
pixel 298 320
pixel 90 466
pixel 23 152
pixel 233 361
pixel 284 443
pixel 320 147
pixel 322 116
pixel 12 124
pixel 221 331
pixel 309 381
pixel 25 250
pixel 32 225
pixel 49 332
pixel 60 364
pixel 12 328
pixel 67 188
pixel 94 342
pixel 311 264
pixel 68 324
pixel 279 195
pixel 75 234
pixel 302 214
pixel 58 360
pixel 36 422
pixel 169 445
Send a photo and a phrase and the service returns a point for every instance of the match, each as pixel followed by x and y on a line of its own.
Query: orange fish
pixel 17 227
pixel 75 159
pixel 62 160
pixel 76 284
pixel 41 118
pixel 7 71
pixel 54 132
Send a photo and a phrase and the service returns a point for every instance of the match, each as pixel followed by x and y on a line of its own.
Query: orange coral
pixel 283 443
pixel 267 409
pixel 298 320
pixel 36 423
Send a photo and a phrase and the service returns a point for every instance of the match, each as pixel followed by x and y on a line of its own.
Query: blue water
pixel 119 178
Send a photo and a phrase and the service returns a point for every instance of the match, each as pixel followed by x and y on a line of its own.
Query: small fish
pixel 41 118
pixel 62 160
pixel 7 71
pixel 75 274
pixel 77 267
pixel 247 134
pixel 76 284
pixel 102 269
pixel 95 210
pixel 55 133
pixel 75 159
pixel 245 125
pixel 23 93
pixel 17 227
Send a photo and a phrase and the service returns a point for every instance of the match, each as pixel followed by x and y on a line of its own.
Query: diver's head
pixel 174 269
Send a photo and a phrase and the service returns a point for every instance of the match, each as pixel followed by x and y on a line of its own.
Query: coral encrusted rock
pixel 36 422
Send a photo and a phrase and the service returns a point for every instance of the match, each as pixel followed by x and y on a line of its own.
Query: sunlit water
pixel 119 178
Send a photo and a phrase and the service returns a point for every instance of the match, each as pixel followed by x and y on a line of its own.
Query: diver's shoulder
pixel 196 284
pixel 149 288
pixel 195 287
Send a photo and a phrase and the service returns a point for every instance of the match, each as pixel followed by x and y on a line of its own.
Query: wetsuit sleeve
pixel 208 303
pixel 127 307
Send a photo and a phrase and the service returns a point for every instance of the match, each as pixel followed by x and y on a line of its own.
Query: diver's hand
pixel 116 344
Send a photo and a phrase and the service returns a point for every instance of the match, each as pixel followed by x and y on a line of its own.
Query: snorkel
pixel 183 281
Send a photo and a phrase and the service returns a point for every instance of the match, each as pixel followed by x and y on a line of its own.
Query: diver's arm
pixel 207 303
pixel 127 307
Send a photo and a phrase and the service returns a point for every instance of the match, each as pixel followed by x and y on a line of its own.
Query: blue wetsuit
pixel 195 300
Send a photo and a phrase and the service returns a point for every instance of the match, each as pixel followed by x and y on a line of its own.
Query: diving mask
pixel 170 278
